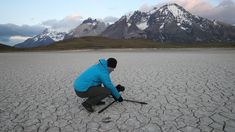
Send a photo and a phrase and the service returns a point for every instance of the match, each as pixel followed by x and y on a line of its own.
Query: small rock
pixel 106 120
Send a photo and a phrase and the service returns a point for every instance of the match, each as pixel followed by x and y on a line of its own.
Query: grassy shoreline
pixel 97 43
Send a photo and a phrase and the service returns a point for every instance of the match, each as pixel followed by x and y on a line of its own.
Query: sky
pixel 63 15
pixel 36 11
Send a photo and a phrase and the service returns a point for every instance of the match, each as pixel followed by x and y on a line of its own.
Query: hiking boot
pixel 88 107
pixel 101 103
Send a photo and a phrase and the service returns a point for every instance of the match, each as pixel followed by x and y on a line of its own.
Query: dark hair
pixel 112 62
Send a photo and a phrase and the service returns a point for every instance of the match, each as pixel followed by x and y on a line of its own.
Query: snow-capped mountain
pixel 89 27
pixel 47 37
pixel 171 23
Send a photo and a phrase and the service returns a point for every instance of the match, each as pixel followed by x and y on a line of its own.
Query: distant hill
pixel 96 42
pixel 4 47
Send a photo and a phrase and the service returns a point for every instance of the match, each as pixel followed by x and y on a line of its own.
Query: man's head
pixel 112 63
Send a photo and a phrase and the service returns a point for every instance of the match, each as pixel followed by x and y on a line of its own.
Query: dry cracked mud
pixel 188 90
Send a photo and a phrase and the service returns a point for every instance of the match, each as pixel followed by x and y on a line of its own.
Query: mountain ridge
pixel 89 27
pixel 170 23
pixel 47 37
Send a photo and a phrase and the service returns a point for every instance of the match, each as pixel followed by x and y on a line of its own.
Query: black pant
pixel 94 94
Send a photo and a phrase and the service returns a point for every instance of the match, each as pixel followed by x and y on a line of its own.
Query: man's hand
pixel 120 88
pixel 120 99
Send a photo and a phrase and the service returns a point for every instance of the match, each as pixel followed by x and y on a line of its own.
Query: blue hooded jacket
pixel 94 76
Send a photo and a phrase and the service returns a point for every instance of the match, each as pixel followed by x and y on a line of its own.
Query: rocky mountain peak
pixel 89 27
pixel 47 37
pixel 171 23
pixel 47 30
pixel 89 20
pixel 176 12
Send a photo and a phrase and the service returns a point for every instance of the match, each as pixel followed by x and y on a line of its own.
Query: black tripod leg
pixel 106 107
pixel 134 101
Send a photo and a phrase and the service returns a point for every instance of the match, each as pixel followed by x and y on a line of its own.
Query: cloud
pixel 19 38
pixel 195 6
pixel 11 34
pixel 4 39
pixel 72 21
pixel 146 7
pixel 66 24
pixel 12 40
pixel 222 12
pixel 24 30
pixel 110 19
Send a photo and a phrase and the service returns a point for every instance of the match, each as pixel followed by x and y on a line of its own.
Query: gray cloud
pixel 72 21
pixel 146 7
pixel 110 19
pixel 24 30
pixel 4 39
pixel 12 40
pixel 223 12
pixel 12 34
pixel 66 24
pixel 8 31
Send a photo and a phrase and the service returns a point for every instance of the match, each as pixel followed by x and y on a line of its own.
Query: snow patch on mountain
pixel 47 37
pixel 54 35
pixel 142 25
pixel 162 26
pixel 179 14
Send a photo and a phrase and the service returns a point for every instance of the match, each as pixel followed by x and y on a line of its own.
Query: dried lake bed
pixel 189 90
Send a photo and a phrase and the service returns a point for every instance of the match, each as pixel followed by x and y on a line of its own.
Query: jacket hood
pixel 103 63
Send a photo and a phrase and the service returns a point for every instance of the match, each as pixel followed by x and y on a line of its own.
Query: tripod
pixel 127 100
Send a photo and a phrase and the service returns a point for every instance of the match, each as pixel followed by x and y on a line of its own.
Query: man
pixel 88 84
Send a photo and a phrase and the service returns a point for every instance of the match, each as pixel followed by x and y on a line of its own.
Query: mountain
pixel 47 37
pixel 170 23
pixel 89 27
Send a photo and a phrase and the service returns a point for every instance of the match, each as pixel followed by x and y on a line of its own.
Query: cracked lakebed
pixel 189 90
